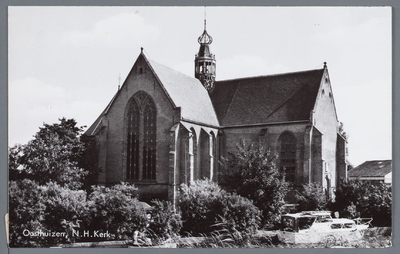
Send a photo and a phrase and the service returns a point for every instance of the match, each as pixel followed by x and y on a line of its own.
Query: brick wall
pixel 113 141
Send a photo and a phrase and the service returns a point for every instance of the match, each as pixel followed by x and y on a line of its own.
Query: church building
pixel 157 135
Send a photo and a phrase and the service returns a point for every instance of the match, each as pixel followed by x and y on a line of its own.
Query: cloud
pixel 121 29
pixel 33 102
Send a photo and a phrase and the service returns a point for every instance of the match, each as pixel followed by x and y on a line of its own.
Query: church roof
pixel 372 169
pixel 187 93
pixel 266 99
pixel 184 91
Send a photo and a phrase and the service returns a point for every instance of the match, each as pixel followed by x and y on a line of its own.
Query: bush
pixel 65 209
pixel 200 204
pixel 117 210
pixel 252 173
pixel 241 214
pixel 47 208
pixel 311 197
pixel 165 221
pixel 26 208
pixel 355 198
pixel 204 204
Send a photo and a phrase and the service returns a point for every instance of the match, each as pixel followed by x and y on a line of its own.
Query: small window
pixel 323 91
pixel 140 70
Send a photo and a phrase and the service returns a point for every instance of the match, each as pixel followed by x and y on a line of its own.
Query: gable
pixel 266 99
pixel 325 103
pixel 183 92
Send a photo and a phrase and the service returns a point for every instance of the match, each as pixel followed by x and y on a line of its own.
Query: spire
pixel 205 38
pixel 205 64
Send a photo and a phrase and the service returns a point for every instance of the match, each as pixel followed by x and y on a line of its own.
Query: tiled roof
pixel 371 169
pixel 188 93
pixel 266 99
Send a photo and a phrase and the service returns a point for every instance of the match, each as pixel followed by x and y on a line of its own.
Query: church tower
pixel 205 61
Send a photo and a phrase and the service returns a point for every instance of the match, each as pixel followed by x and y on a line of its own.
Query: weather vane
pixel 205 17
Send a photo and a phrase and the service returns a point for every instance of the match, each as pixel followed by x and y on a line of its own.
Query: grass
pixel 373 238
pixel 224 238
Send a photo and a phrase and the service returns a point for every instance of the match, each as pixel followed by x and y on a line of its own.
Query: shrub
pixel 311 197
pixel 26 209
pixel 116 210
pixel 204 204
pixel 165 221
pixel 47 208
pixel 252 173
pixel 355 198
pixel 64 210
pixel 200 204
pixel 241 214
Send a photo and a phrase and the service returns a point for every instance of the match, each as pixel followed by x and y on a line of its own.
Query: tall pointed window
pixel 149 141
pixel 133 142
pixel 141 143
pixel 287 156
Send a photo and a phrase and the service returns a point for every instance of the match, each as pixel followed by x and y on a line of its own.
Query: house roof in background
pixel 372 169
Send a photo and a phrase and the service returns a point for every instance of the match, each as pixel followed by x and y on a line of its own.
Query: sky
pixel 69 61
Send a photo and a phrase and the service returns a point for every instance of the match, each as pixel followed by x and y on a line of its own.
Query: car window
pixel 349 225
pixel 336 226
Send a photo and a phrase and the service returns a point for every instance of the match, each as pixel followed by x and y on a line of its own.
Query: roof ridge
pixel 271 75
pixel 149 63
pixel 164 66
pixel 378 160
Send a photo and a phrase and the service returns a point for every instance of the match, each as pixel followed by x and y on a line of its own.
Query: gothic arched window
pixel 149 141
pixel 142 133
pixel 287 156
pixel 133 142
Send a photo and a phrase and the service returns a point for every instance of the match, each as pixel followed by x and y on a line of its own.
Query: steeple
pixel 205 64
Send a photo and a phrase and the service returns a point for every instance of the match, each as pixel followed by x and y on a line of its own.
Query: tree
pixel 252 173
pixel 52 155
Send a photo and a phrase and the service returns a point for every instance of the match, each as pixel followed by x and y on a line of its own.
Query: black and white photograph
pixel 199 127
